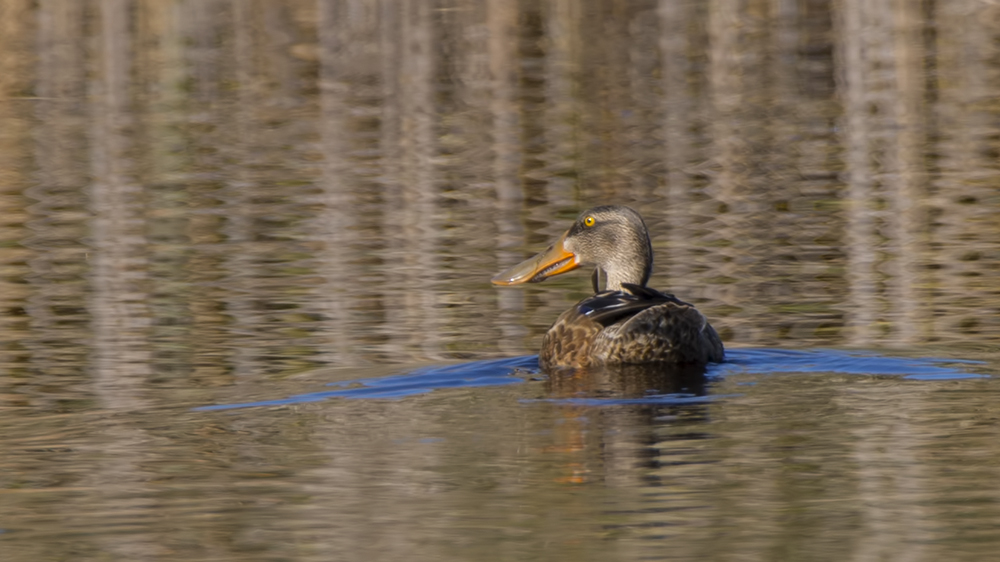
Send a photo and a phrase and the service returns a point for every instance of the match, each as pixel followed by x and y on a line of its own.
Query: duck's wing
pixel 610 307
pixel 654 327
pixel 634 326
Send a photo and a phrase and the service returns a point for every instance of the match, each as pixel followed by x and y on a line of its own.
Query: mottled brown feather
pixel 568 341
pixel 667 332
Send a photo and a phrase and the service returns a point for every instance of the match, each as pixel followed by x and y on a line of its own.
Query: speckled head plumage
pixel 612 238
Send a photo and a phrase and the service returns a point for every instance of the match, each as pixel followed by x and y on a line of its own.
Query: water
pixel 787 455
pixel 245 253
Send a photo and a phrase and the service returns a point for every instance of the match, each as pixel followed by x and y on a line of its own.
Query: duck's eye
pixel 589 221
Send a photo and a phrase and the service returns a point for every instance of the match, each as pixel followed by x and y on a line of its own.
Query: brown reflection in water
pixel 884 144
pixel 15 80
pixel 507 151
pixel 118 279
pixel 335 224
pixel 963 204
pixel 418 211
pixel 558 138
pixel 57 331
pixel 627 381
pixel 333 183
pixel 609 442
pixel 683 132
pixel 119 267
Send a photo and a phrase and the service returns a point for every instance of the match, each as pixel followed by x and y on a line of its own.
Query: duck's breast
pixel 568 341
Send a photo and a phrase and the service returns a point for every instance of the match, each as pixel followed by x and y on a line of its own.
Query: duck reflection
pixel 627 381
pixel 620 425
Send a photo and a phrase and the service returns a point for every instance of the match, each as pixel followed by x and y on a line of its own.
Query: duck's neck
pixel 635 271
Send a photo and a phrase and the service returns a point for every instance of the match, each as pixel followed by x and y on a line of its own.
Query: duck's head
pixel 613 238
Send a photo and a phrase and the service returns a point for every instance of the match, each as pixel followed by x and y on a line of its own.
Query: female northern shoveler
pixel 627 323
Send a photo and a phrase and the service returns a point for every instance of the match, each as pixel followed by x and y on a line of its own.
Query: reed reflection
pixel 338 194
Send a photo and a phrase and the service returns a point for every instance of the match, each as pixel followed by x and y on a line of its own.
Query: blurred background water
pixel 235 202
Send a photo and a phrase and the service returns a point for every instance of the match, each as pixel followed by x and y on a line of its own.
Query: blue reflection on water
pixel 738 361
pixel 763 361
pixel 477 373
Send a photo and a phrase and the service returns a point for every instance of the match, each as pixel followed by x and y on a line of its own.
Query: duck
pixel 625 322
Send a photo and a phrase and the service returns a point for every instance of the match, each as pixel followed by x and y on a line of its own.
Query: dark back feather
pixel 610 307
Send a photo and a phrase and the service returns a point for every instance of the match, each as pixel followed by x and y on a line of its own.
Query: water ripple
pixel 477 373
pixel 739 361
pixel 764 361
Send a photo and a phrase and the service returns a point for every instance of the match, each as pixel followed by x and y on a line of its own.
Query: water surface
pixel 245 253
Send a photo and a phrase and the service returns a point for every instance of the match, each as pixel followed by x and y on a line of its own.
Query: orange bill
pixel 553 261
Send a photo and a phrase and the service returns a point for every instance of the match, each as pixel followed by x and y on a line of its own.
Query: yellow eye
pixel 589 221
